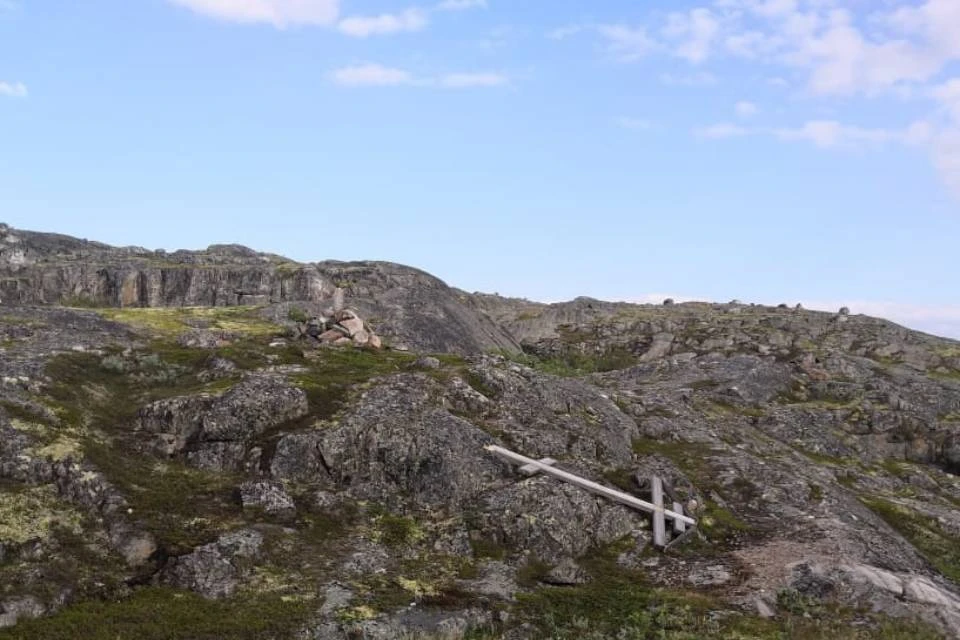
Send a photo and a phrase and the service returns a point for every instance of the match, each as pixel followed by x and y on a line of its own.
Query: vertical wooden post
pixel 659 521
pixel 679 526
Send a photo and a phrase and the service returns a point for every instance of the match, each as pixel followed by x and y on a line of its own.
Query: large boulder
pixel 215 570
pixel 213 431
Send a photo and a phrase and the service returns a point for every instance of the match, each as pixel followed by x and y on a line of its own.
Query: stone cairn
pixel 339 326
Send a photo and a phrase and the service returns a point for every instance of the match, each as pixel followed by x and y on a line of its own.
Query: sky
pixel 763 150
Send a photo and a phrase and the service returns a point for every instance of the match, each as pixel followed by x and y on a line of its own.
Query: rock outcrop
pixel 211 452
pixel 214 432
pixel 413 309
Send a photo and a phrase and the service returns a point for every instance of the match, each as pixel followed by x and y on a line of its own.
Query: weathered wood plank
pixel 659 522
pixel 679 526
pixel 529 470
pixel 583 483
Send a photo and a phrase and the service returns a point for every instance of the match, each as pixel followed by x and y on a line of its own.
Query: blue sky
pixel 765 150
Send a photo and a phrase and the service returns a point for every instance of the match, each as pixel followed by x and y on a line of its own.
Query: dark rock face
pixel 557 521
pixel 417 310
pixel 213 432
pixel 271 497
pixel 214 570
pixel 396 440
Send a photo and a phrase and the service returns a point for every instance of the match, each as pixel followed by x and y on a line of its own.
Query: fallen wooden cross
pixel 529 466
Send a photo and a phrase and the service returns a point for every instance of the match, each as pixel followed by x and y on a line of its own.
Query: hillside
pixel 179 459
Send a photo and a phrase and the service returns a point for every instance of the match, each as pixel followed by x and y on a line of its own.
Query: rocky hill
pixel 179 459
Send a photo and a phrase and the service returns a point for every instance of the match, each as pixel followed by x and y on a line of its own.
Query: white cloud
pixel 634 124
pixel 13 90
pixel 948 95
pixel 827 134
pixel 692 34
pixel 946 159
pixel 627 44
pixel 371 75
pixel 376 75
pixel 722 131
pixel 746 109
pixel 279 13
pixel 468 80
pixel 461 5
pixel 562 33
pixel 889 50
pixel 830 133
pixel 384 24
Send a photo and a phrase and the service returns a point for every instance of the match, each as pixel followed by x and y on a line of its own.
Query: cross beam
pixel 529 464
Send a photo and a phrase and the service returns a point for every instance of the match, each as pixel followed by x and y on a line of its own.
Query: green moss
pixel 573 363
pixel 621 479
pixel 333 372
pixel 897 468
pixel 169 322
pixel 21 412
pixel 166 614
pixel 486 548
pixel 296 314
pixel 749 412
pixel 721 526
pixel 532 572
pixel 680 452
pixel 478 384
pixel 81 302
pixel 182 507
pixel 27 513
pixel 621 605
pixel 949 376
pixel 939 546
pixel 792 601
pixel 816 493
pixel 396 531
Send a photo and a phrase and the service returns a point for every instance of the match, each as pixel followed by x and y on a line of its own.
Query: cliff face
pixel 43 268
pixel 412 309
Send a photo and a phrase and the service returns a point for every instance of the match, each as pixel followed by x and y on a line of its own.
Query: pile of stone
pixel 342 327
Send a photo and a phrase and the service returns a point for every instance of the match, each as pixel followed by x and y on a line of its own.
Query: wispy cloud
pixel 376 75
pixel 627 44
pixel 830 133
pixel 825 134
pixel 634 124
pixel 562 33
pixel 946 159
pixel 279 13
pixel 692 34
pixel 371 75
pixel 13 89
pixel 746 109
pixel 384 24
pixel 721 131
pixel 461 5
